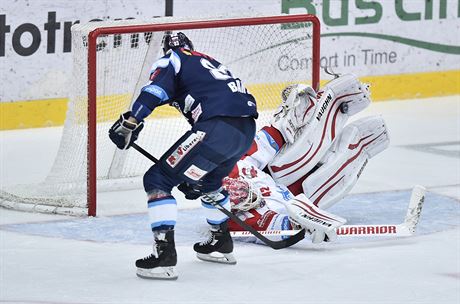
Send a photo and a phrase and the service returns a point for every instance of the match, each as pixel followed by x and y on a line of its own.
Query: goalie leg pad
pixel 314 139
pixel 344 163
pixel 355 96
pixel 311 143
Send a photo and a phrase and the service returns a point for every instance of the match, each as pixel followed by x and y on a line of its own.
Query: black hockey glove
pixel 191 192
pixel 123 132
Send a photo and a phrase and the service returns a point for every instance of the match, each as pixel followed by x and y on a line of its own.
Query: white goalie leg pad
pixel 295 111
pixel 354 95
pixel 344 163
pixel 321 224
pixel 313 140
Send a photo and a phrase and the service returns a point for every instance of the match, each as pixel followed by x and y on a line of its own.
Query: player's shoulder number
pixel 222 73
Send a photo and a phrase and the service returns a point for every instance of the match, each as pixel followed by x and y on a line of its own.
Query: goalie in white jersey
pixel 307 159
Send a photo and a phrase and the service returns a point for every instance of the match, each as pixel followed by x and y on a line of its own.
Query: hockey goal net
pixel 111 62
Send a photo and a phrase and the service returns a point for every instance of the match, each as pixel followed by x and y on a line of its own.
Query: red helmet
pixel 243 195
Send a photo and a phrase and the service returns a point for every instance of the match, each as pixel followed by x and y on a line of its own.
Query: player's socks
pixel 161 263
pixel 218 247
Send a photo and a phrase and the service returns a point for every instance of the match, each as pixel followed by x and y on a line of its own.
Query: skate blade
pixel 158 273
pixel 217 257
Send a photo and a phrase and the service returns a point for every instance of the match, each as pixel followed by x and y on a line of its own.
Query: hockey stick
pixel 293 239
pixel 407 228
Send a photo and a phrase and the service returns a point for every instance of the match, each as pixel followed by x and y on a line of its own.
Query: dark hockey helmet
pixel 176 41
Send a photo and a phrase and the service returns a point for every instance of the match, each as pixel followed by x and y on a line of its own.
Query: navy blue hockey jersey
pixel 198 85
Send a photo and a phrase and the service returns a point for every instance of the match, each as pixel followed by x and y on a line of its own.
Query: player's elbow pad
pixel 144 105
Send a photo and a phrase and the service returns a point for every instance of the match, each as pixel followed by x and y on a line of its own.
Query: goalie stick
pixel 293 239
pixel 407 228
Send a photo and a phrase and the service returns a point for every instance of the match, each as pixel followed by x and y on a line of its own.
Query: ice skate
pixel 161 263
pixel 218 247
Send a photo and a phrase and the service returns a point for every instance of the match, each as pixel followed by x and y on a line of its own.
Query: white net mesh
pixel 266 57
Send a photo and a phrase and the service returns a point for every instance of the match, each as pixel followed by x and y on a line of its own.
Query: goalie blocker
pixel 320 224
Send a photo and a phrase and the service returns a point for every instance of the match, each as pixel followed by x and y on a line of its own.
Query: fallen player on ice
pixel 307 160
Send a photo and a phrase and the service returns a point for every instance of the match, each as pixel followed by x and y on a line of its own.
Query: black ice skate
pixel 218 247
pixel 161 263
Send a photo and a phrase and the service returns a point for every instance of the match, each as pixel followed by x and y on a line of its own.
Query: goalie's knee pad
pixel 343 164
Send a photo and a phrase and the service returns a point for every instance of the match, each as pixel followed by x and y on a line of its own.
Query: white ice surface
pixel 57 259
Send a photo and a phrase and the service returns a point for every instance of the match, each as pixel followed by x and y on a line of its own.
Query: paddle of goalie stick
pixel 293 239
pixel 407 228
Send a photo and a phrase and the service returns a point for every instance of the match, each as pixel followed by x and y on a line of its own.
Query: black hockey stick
pixel 289 241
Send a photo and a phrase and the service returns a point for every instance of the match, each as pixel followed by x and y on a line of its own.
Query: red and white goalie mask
pixel 243 196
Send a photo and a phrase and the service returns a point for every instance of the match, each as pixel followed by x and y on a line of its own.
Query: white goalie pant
pixel 341 167
pixel 340 98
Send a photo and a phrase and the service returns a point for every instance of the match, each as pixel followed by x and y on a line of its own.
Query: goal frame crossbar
pixel 174 26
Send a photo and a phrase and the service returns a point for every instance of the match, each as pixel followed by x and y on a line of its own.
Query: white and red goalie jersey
pixel 308 151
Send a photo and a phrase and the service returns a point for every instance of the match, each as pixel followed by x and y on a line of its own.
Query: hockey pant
pixel 203 156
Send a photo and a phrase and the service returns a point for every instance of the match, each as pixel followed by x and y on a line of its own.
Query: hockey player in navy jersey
pixel 222 115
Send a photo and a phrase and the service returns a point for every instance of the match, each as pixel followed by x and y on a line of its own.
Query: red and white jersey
pixel 272 215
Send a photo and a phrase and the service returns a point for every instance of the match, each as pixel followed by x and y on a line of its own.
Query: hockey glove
pixel 191 192
pixel 295 111
pixel 124 132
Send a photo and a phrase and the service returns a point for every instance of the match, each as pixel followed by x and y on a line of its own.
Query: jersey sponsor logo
pixel 195 173
pixel 184 148
pixel 284 192
pixel 156 91
pixel 285 225
pixel 264 221
pixel 249 172
pixel 324 105
pixel 390 229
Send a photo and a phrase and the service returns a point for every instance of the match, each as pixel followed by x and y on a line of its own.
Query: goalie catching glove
pixel 320 224
pixel 124 132
pixel 295 111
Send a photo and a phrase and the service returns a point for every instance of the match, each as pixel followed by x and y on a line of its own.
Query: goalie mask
pixel 243 195
pixel 176 41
